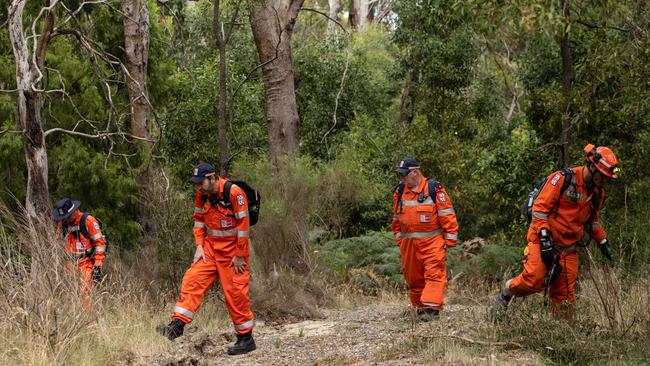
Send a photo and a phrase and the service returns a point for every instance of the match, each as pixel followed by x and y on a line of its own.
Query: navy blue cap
pixel 64 208
pixel 201 171
pixel 407 164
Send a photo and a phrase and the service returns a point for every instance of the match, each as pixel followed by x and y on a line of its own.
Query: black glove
pixel 604 248
pixel 97 274
pixel 547 248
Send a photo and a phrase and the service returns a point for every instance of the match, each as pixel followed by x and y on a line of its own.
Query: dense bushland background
pixel 484 86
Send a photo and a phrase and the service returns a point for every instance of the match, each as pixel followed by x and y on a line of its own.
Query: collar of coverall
pixel 420 187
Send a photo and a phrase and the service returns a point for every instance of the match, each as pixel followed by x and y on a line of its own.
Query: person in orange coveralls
pixel 559 219
pixel 84 241
pixel 221 231
pixel 424 223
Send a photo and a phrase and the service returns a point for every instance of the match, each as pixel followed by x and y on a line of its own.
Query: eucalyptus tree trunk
pixel 30 104
pixel 272 24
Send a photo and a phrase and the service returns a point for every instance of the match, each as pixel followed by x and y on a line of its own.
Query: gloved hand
pixel 97 274
pixel 547 248
pixel 604 248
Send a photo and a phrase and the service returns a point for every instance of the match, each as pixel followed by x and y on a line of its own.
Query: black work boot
pixel 173 330
pixel 428 315
pixel 245 343
pixel 500 303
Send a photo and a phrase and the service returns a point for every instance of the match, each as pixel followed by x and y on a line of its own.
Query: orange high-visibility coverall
pixel 77 245
pixel 423 230
pixel 223 234
pixel 565 217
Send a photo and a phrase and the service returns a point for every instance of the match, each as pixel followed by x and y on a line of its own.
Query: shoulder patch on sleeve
pixel 442 197
pixel 96 225
pixel 240 199
pixel 555 179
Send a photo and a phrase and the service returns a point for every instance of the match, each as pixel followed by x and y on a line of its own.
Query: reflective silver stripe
pixel 446 211
pixel 243 234
pixel 426 234
pixel 199 224
pixel 603 241
pixel 73 228
pixel 428 201
pixel 540 215
pixel 451 236
pixel 395 218
pixel 180 310
pixel 595 224
pixel 100 249
pixel 222 232
pixel 198 210
pixel 568 249
pixel 246 325
pixel 239 215
pixel 430 304
pixel 96 236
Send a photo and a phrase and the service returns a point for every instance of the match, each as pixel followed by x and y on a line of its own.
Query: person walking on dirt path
pixel 85 243
pixel 221 231
pixel 567 203
pixel 424 224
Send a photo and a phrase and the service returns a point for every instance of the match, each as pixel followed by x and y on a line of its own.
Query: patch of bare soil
pixel 376 334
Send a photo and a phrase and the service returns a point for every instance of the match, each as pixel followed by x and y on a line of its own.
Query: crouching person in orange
pixel 85 243
pixel 424 223
pixel 221 231
pixel 567 202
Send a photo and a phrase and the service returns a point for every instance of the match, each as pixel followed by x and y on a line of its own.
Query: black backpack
pixel 84 232
pixel 527 208
pixel 254 199
pixel 434 186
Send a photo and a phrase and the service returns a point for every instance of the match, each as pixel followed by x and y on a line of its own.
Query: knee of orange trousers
pixel 562 291
pixel 531 279
pixel 235 289
pixel 86 274
pixel 197 281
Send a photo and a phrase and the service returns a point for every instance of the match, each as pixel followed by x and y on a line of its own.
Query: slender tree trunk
pixel 567 76
pixel 220 38
pixel 136 45
pixel 272 25
pixel 335 6
pixel 407 106
pixel 361 13
pixel 30 104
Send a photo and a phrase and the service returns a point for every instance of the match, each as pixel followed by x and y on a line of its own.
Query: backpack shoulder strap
pixel 83 230
pixel 433 187
pixel 225 198
pixel 399 189
pixel 569 179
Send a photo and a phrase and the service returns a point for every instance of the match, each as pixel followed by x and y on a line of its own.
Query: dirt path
pixel 376 334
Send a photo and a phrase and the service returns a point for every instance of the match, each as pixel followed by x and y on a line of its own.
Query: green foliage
pixel 369 261
pixel 100 185
pixel 492 262
pixel 347 74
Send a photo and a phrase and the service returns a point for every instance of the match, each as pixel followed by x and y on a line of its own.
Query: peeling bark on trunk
pixel 407 106
pixel 567 76
pixel 334 7
pixel 220 38
pixel 30 104
pixel 136 46
pixel 272 24
pixel 361 13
